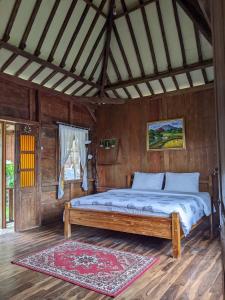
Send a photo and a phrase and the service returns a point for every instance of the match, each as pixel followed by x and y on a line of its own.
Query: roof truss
pixel 101 84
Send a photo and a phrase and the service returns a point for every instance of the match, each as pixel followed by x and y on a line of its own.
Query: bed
pixel 163 214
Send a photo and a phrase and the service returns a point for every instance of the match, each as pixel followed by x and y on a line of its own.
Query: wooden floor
pixel 197 275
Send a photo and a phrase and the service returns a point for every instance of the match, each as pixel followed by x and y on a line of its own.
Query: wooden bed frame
pixel 162 227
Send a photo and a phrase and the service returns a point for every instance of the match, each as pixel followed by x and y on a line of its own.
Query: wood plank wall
pixel 128 123
pixel 26 104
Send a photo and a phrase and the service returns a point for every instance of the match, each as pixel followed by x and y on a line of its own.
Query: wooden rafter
pixel 62 30
pixel 116 69
pixel 74 36
pixel 36 73
pixel 66 88
pixel 98 61
pixel 199 48
pixel 8 62
pixel 12 18
pixel 37 51
pixel 122 51
pixel 23 67
pixel 163 35
pixel 134 41
pixel 197 17
pixel 79 88
pixel 50 76
pixel 107 47
pixel 113 91
pixel 164 74
pixel 180 36
pixel 149 37
pixel 40 61
pixel 30 23
pixel 162 85
pixel 88 91
pixel 58 82
pixel 87 36
pixel 92 52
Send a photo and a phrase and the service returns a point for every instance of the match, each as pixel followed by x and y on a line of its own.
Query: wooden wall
pixel 20 103
pixel 128 124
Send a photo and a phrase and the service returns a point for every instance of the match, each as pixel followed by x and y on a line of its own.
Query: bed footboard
pixel 168 228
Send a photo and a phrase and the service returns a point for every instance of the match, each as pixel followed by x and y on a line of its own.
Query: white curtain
pixel 66 138
pixel 82 137
pixel 67 135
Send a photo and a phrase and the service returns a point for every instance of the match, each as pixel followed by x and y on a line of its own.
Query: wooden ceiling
pixel 120 49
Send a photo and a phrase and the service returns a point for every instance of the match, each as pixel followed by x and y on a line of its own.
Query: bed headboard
pixel 207 184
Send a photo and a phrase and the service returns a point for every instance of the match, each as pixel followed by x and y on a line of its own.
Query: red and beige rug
pixel 103 270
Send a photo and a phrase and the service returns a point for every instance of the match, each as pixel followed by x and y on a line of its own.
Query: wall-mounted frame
pixel 108 150
pixel 166 135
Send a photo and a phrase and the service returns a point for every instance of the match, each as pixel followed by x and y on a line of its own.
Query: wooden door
pixel 27 202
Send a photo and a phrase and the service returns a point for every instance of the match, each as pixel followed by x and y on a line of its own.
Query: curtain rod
pixel 75 126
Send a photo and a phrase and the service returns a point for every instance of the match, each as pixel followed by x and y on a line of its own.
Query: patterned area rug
pixel 103 270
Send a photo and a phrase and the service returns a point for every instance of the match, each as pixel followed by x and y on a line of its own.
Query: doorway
pixel 7 175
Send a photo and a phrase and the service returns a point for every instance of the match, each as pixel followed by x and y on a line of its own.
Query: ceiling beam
pixel 205 7
pixel 41 61
pixel 50 91
pixel 107 46
pixel 197 18
pixel 164 74
pixel 124 13
pixel 168 94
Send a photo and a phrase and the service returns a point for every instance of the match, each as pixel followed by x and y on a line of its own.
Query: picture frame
pixel 166 135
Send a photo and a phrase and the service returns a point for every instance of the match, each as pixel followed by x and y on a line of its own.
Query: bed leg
pixel 176 236
pixel 211 226
pixel 67 225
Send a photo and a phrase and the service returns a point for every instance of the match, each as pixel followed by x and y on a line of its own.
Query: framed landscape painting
pixel 166 135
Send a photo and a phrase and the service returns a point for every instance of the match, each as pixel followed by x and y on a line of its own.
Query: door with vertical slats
pixel 27 184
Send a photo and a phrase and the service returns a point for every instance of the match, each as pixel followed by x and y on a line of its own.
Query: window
pixel 72 168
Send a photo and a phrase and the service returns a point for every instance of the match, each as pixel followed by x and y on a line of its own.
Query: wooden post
pixel 11 196
pixel 67 225
pixel 176 237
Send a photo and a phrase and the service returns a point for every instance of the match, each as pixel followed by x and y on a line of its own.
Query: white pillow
pixel 147 181
pixel 182 182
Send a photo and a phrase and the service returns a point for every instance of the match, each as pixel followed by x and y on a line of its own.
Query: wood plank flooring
pixel 197 275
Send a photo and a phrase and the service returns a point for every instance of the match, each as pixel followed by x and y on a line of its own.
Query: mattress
pixel 190 206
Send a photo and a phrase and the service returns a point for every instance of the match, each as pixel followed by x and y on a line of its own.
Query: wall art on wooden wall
pixel 166 135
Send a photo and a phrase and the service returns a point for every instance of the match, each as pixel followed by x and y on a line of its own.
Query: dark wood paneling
pixel 24 104
pixel 128 123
